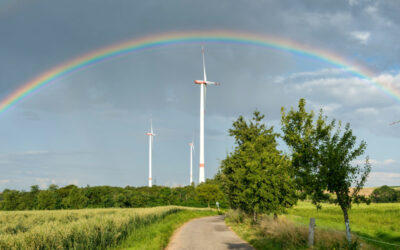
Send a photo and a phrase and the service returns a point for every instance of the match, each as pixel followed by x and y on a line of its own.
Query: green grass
pixel 158 234
pixel 377 221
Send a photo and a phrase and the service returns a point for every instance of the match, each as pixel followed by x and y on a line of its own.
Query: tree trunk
pixel 254 216
pixel 347 223
pixel 275 216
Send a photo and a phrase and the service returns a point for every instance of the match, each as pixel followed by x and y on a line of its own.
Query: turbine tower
pixel 151 135
pixel 203 91
pixel 191 162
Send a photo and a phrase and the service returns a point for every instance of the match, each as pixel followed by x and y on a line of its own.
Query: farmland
pixel 377 221
pixel 80 229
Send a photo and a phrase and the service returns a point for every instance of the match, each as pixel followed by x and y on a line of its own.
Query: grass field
pixel 81 229
pixel 377 221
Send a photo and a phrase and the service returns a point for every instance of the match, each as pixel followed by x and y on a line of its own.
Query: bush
pixel 384 194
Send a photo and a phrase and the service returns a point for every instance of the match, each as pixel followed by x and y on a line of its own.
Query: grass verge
pixel 380 222
pixel 284 234
pixel 158 234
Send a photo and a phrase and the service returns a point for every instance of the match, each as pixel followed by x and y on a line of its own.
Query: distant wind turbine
pixel 203 91
pixel 393 123
pixel 151 135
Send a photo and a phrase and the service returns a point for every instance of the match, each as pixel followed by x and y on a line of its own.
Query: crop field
pixel 377 221
pixel 76 229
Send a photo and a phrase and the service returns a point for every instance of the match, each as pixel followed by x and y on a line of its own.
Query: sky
pixel 89 128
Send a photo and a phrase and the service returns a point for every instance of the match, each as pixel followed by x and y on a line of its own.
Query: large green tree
pixel 256 176
pixel 323 157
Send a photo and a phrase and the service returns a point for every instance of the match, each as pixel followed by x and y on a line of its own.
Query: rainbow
pixel 169 39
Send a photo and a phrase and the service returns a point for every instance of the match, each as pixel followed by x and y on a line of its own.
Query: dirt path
pixel 209 233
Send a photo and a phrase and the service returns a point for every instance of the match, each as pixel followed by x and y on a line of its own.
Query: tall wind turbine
pixel 191 162
pixel 203 91
pixel 151 135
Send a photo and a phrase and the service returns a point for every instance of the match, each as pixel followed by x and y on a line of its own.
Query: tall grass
pixel 282 233
pixel 379 221
pixel 74 229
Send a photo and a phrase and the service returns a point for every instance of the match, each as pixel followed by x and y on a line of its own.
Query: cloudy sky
pixel 89 127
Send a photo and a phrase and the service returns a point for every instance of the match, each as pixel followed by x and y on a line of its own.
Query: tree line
pixel 73 197
pixel 385 194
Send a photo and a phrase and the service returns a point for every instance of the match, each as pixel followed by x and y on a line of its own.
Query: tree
pixel 257 177
pixel 305 137
pixel 208 193
pixel 48 199
pixel 75 199
pixel 384 194
pixel 323 161
pixel 10 199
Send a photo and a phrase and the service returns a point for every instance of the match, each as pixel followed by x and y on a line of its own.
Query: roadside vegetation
pixel 260 180
pixel 283 233
pixel 89 228
pixel 379 222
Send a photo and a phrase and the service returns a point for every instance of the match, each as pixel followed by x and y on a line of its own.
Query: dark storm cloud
pixel 105 109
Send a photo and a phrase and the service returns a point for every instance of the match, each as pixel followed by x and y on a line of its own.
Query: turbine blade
pixel 204 64
pixel 151 126
pixel 393 123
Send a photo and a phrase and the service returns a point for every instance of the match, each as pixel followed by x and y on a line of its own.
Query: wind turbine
pixel 203 91
pixel 151 135
pixel 393 123
pixel 191 161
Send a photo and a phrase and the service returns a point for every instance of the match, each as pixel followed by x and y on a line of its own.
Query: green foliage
pixel 323 159
pixel 209 193
pixel 384 194
pixel 305 138
pixel 257 177
pixel 48 199
pixel 10 199
pixel 73 197
pixel 339 173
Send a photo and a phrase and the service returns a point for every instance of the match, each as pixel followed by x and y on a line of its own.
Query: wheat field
pixel 74 229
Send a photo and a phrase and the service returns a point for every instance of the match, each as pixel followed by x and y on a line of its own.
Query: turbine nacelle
pixel 206 82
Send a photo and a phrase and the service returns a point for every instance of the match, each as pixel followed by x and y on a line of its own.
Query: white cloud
pixel 45 182
pixel 42 182
pixel 361 36
pixel 377 179
pixel 367 111
pixel 353 2
pixel 2 182
pixel 375 162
